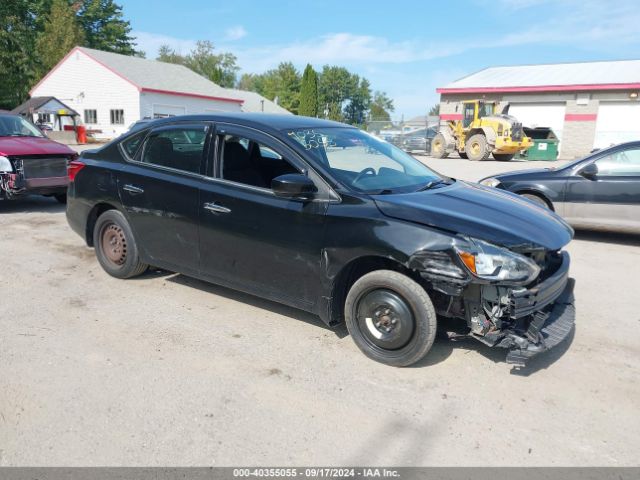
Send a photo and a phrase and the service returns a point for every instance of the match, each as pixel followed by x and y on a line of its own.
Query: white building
pixel 111 91
pixel 588 105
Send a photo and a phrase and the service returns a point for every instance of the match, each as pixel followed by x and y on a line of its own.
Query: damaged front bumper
pixel 543 316
pixel 547 329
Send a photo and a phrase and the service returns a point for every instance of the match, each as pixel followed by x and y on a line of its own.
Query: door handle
pixel 133 190
pixel 212 207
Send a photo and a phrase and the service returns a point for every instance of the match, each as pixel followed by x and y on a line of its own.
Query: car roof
pixel 270 121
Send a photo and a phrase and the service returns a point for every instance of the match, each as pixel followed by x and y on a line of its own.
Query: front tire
pixel 390 318
pixel 476 147
pixel 439 146
pixel 503 157
pixel 115 246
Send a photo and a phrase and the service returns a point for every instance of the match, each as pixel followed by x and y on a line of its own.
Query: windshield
pixel 15 126
pixel 364 162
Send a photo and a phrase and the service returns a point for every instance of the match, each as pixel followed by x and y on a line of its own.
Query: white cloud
pixel 235 33
pixel 151 42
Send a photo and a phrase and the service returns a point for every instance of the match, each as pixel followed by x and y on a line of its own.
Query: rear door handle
pixel 133 190
pixel 213 207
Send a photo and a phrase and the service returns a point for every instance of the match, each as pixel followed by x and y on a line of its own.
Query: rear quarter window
pixel 132 144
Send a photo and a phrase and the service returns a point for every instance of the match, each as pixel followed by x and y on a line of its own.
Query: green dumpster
pixel 545 144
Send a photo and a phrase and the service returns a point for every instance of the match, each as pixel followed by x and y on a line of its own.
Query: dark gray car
pixel 600 191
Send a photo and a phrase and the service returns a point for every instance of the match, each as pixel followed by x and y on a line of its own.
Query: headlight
pixel 493 263
pixel 5 165
pixel 490 182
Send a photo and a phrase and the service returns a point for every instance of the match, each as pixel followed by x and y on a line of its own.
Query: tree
pixel 61 33
pixel 381 107
pixel 105 28
pixel 219 68
pixel 335 86
pixel 167 55
pixel 18 64
pixel 359 101
pixel 435 110
pixel 280 84
pixel 309 93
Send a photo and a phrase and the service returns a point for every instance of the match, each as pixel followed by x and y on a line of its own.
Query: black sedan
pixel 600 191
pixel 329 219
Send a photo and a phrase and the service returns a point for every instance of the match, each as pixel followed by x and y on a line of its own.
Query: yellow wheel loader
pixel 480 133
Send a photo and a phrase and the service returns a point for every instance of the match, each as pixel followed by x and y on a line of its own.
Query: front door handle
pixel 213 207
pixel 133 190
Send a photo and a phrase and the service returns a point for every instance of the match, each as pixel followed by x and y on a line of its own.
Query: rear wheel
pixel 476 147
pixel 390 318
pixel 439 146
pixel 115 246
pixel 536 199
pixel 503 157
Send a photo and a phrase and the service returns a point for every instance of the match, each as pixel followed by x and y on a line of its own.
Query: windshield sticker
pixel 311 139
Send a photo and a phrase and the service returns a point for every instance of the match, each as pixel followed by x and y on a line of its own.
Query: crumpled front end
pixel 526 320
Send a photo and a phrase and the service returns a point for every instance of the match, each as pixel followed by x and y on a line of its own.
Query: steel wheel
pixel 114 244
pixel 385 319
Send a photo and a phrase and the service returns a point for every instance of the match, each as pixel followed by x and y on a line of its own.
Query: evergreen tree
pixel 61 33
pixel 18 64
pixel 105 28
pixel 309 93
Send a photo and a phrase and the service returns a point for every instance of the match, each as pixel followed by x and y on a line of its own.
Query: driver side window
pixel 247 161
pixel 625 163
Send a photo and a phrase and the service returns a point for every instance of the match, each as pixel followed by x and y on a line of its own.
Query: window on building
pixel 117 117
pixel 91 116
pixel 44 118
pixel 179 147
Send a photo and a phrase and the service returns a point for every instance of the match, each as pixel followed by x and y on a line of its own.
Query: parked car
pixel 600 191
pixel 30 163
pixel 264 204
pixel 419 140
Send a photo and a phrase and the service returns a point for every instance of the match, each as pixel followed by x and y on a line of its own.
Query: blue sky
pixel 407 48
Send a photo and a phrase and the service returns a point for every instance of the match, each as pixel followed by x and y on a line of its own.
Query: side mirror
pixel 293 185
pixel 590 171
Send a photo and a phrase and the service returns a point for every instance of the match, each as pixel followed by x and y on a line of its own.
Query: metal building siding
pixel 562 74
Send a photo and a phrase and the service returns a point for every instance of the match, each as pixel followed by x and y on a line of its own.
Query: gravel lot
pixel 167 370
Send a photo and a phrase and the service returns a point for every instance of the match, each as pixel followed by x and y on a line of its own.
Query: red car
pixel 30 163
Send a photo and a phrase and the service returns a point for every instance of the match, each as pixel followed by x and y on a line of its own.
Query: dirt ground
pixel 167 370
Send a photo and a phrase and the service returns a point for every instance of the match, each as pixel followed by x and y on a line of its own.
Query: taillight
pixel 73 168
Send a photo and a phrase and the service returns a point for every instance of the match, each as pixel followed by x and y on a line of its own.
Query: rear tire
pixel 439 146
pixel 476 147
pixel 503 157
pixel 115 246
pixel 536 199
pixel 390 318
pixel 61 198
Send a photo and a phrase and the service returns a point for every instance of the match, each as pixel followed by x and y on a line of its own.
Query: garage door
pixel 617 122
pixel 534 115
pixel 162 111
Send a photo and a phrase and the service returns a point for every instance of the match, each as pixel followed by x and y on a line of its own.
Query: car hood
pixel 32 146
pixel 486 213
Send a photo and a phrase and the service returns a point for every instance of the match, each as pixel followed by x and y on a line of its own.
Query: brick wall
pixel 579 130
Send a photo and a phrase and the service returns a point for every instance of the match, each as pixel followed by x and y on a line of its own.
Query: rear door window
pixel 177 147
